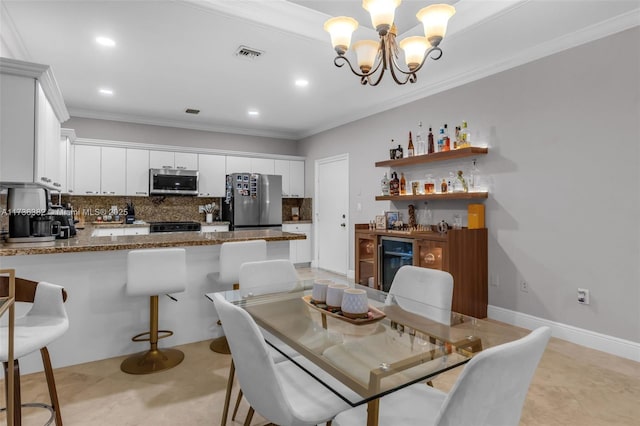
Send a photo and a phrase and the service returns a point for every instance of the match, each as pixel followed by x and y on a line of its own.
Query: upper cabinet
pixel 31 110
pixel 173 160
pixel 263 166
pixel 212 175
pixel 113 171
pixel 292 172
pixel 137 172
pixel 86 165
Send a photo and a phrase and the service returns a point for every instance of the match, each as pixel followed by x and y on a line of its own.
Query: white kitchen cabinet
pixel 31 109
pixel 86 165
pixel 292 172
pixel 173 160
pixel 299 250
pixel 296 179
pixel 214 228
pixel 107 232
pixel 113 171
pixel 212 175
pixel 137 230
pixel 71 149
pixel 65 153
pixel 238 164
pixel 137 172
pixel 263 166
pixel 186 160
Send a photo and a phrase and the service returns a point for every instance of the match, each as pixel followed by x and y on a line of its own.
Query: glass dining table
pixel 360 360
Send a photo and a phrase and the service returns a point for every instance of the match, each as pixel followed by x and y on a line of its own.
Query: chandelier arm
pixel 410 76
pixel 428 53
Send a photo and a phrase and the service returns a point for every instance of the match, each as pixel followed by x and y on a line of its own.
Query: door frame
pixel 316 194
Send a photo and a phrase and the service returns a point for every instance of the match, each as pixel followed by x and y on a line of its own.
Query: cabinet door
pixel 71 149
pixel 113 171
pixel 186 160
pixel 281 167
pixel 238 164
pixel 296 179
pixel 366 258
pixel 86 165
pixel 47 143
pixel 263 166
pixel 303 249
pixel 161 160
pixel 212 175
pixel 137 172
pixel 214 228
pixel 431 254
pixel 138 230
pixel 108 232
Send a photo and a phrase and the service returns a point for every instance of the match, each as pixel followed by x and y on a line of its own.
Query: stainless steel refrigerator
pixel 253 201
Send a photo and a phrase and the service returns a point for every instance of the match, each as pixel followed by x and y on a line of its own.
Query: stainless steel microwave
pixel 173 182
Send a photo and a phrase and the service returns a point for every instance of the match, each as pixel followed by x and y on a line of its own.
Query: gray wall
pixel 562 171
pixel 142 133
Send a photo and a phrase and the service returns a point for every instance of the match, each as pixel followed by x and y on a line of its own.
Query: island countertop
pixel 84 241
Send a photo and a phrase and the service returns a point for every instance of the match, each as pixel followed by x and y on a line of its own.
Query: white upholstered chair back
pixel 233 254
pixel 430 288
pixel 492 387
pixel 278 275
pixel 156 271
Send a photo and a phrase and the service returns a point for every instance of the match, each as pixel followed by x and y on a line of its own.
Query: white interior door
pixel 332 213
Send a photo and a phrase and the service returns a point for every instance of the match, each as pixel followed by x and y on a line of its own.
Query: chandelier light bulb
pixel 435 18
pixel 341 28
pixel 366 52
pixel 414 48
pixel 382 13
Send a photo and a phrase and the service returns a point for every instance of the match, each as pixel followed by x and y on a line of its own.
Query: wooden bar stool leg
pixel 17 408
pixel 235 409
pixel 227 397
pixel 51 384
pixel 247 421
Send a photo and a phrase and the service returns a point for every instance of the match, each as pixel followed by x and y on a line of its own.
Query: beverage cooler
pixel 394 253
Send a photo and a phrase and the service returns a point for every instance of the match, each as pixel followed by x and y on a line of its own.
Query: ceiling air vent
pixel 192 111
pixel 245 52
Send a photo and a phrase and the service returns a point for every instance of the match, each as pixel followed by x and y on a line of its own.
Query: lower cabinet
pixel 214 228
pixel 112 232
pixel 461 252
pixel 299 250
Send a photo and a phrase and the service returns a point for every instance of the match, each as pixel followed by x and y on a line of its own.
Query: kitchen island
pixel 102 317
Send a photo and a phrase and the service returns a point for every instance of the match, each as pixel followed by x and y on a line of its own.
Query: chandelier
pixel 373 56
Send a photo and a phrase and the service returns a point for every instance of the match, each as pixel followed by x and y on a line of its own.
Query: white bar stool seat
pixel 151 272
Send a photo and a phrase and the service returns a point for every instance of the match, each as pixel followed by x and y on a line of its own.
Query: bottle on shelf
pixel 472 177
pixel 384 185
pixel 443 186
pixel 430 145
pixel 441 140
pixel 457 143
pixel 394 184
pixel 465 135
pixel 421 143
pixel 446 144
pixel 403 185
pixel 410 148
pixel 392 151
pixel 399 152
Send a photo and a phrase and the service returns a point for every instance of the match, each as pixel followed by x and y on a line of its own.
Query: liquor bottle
pixel 410 149
pixel 403 185
pixel 394 184
pixel 457 143
pixel 384 185
pixel 466 135
pixel 421 143
pixel 441 140
pixel 430 147
pixel 443 186
pixel 399 152
pixel 446 145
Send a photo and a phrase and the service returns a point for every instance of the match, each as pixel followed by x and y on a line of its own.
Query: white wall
pixel 142 133
pixel 563 175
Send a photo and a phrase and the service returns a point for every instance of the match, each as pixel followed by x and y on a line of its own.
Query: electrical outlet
pixel 583 296
pixel 494 281
pixel 200 209
pixel 524 286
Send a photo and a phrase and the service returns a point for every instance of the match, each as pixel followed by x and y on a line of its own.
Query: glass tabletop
pixel 399 343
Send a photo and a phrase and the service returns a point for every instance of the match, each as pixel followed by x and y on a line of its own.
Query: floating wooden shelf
pixel 438 156
pixel 446 196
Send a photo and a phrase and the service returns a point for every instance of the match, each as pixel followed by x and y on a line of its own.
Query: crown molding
pixel 129 118
pixel 44 75
pixel 69 133
pixel 585 35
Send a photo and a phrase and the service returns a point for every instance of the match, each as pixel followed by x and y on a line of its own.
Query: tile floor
pixel 573 385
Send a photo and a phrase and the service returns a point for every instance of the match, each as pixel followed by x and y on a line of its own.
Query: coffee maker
pixel 28 219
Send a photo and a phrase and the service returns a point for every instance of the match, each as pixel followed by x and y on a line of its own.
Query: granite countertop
pixel 83 241
pixel 142 224
pixel 293 222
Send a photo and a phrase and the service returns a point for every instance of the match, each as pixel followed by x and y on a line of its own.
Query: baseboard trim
pixel 591 339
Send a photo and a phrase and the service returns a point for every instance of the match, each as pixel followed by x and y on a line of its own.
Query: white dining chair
pixel 232 255
pixel 281 393
pixel 45 322
pixel 490 391
pixel 431 289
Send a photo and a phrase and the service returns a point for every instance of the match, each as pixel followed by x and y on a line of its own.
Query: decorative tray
pixel 372 316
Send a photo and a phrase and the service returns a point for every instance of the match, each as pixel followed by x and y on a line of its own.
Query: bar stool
pixel 45 322
pixel 151 272
pixel 232 256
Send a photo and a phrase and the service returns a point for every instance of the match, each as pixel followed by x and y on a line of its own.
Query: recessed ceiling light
pixel 106 92
pixel 105 41
pixel 301 82
pixel 253 112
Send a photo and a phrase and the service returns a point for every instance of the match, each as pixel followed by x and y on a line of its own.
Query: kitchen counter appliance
pixel 253 201
pixel 173 182
pixel 28 219
pixel 174 227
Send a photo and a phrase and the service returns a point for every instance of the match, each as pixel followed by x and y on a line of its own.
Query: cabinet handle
pixel 167 167
pixel 71 191
pixel 294 195
pixel 56 184
pixel 45 179
pixel 181 167
pixel 141 193
pixel 90 192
